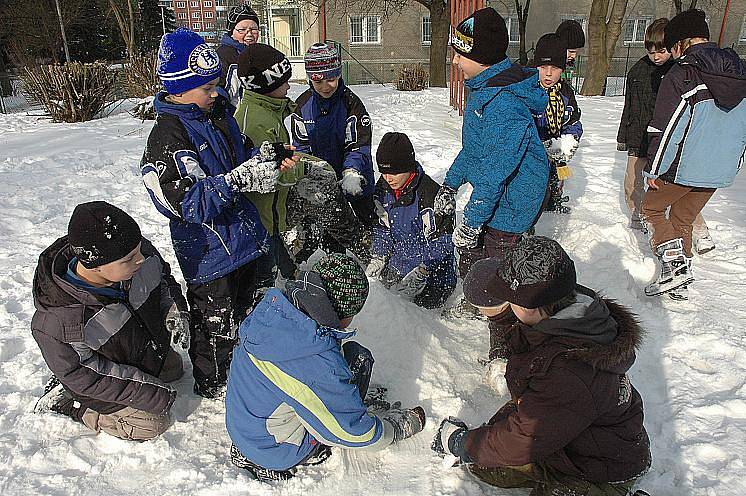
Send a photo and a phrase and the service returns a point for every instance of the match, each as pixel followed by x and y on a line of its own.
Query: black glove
pixel 451 439
pixel 406 423
pixel 445 201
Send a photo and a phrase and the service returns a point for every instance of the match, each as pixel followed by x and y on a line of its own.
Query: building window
pixel 210 25
pixel 742 36
pixel 220 14
pixel 514 34
pixel 194 5
pixel 182 15
pixel 365 29
pixel 208 15
pixel 207 4
pixel 181 5
pixel 196 26
pixel 426 33
pixel 634 30
pixel 195 15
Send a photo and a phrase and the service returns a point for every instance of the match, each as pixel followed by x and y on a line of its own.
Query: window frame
pixel 364 22
pixel 423 41
pixel 196 26
pixel 182 16
pixel 742 34
pixel 509 21
pixel 635 30
pixel 181 5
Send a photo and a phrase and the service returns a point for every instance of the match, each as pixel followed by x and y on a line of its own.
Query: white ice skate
pixel 675 271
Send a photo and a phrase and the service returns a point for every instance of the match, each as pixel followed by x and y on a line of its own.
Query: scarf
pixel 555 110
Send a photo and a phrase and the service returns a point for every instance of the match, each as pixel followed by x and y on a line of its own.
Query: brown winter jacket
pixel 107 353
pixel 573 408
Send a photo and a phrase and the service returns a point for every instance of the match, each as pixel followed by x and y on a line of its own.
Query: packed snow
pixel 691 370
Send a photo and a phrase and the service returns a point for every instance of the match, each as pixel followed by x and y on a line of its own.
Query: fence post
pixel 626 65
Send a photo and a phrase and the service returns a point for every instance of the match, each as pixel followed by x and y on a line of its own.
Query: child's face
pixel 549 75
pixel 203 96
pixel 572 55
pixel 122 269
pixel 396 181
pixel 529 316
pixel 659 57
pixel 470 68
pixel 326 87
pixel 280 92
pixel 246 32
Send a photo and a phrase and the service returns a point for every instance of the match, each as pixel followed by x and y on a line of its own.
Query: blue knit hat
pixel 186 62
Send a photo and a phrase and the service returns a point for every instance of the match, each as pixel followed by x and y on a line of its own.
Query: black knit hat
pixel 395 154
pixel 572 34
pixel 550 50
pixel 263 69
pixel 689 24
pixel 100 233
pixel 534 273
pixel 238 14
pixel 345 283
pixel 481 37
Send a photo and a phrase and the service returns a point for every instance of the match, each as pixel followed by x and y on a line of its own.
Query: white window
pixel 195 5
pixel 208 15
pixel 426 32
pixel 365 29
pixel 196 26
pixel 195 15
pixel 210 25
pixel 181 5
pixel 207 4
pixel 514 34
pixel 634 31
pixel 182 15
pixel 742 36
pixel 220 14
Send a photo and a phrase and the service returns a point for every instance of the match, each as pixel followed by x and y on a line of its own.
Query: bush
pixel 412 78
pixel 73 92
pixel 141 81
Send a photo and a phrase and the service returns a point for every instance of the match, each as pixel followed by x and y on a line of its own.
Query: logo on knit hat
pixel 462 42
pixel 204 60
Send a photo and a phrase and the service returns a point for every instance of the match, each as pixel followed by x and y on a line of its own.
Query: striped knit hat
pixel 345 283
pixel 186 62
pixel 323 62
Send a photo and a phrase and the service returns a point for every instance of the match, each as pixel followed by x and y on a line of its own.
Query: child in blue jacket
pixel 195 167
pixel 412 248
pixel 294 390
pixel 559 124
pixel 502 156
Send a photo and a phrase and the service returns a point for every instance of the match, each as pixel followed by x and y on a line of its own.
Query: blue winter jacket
pixel 502 156
pixel 289 385
pixel 214 229
pixel 698 131
pixel 408 232
pixel 336 129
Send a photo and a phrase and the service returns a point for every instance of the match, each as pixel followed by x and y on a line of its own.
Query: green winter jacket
pixel 261 118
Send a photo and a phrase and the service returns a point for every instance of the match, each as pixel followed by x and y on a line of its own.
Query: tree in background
pixel 150 25
pixel 604 27
pixel 678 5
pixel 521 9
pixel 94 35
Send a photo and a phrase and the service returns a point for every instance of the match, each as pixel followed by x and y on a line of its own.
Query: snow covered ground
pixel 691 371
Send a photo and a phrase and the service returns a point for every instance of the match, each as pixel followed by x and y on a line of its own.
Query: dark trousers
pixel 492 243
pixel 268 264
pixel 364 209
pixel 217 308
pixel 360 360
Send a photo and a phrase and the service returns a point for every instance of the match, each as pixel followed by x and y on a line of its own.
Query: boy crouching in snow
pixel 559 125
pixel 412 248
pixel 294 390
pixel 105 303
pixel 574 425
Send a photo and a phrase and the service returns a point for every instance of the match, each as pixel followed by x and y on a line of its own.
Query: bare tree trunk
pixel 678 5
pixel 522 21
pixel 440 21
pixel 126 24
pixel 602 37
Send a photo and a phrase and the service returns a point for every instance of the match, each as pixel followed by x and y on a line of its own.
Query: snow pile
pixel 691 371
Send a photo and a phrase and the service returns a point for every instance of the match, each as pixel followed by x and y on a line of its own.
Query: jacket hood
pixel 298 323
pixel 49 288
pixel 523 82
pixel 228 40
pixel 601 332
pixel 191 111
pixel 722 70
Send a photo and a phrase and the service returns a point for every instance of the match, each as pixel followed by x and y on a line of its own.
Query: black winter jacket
pixel 643 81
pixel 106 353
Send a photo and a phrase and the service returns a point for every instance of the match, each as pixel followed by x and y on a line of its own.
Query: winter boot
pixel 255 471
pixel 682 293
pixel 318 456
pixel 462 310
pixel 209 391
pixel 704 244
pixel 675 270
pixel 57 399
pixel 375 400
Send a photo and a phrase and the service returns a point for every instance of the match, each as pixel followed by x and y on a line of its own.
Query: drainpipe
pixel 722 26
pixel 322 11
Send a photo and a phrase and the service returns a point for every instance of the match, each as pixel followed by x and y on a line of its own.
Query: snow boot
pixel 57 399
pixel 675 271
pixel 255 471
pixel 462 310
pixel 319 455
pixel 704 244
pixel 682 293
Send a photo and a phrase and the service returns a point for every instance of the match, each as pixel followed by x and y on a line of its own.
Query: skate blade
pixel 668 290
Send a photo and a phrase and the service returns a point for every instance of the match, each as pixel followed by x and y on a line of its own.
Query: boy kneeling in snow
pixel 105 303
pixel 559 125
pixel 412 248
pixel 574 425
pixel 294 390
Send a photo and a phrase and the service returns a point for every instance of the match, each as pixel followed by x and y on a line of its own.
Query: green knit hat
pixel 345 283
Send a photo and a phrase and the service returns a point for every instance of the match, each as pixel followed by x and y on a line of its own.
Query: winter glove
pixel 254 175
pixel 413 283
pixel 177 323
pixel 561 149
pixel 621 147
pixel 375 267
pixel 451 440
pixel 445 201
pixel 274 152
pixel 406 423
pixel 352 182
pixel 466 237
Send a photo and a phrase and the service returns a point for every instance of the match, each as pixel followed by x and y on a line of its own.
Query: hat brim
pixel 482 285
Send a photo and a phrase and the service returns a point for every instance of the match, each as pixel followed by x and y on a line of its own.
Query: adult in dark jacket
pixel 241 30
pixel 701 101
pixel 574 424
pixel 105 300
pixel 413 251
